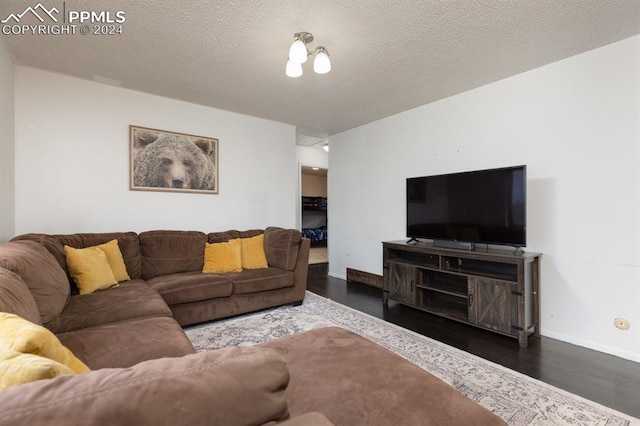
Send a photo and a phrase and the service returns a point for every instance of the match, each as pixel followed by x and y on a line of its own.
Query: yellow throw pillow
pixel 115 259
pixel 223 257
pixel 253 256
pixel 18 334
pixel 90 269
pixel 17 368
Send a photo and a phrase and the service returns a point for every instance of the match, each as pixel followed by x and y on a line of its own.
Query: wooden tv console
pixel 498 290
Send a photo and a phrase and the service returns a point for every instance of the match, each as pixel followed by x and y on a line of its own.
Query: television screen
pixel 483 206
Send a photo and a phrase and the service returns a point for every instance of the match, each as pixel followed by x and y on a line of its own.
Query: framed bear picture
pixel 161 160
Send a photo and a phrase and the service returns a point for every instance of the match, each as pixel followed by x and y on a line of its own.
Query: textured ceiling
pixel 387 56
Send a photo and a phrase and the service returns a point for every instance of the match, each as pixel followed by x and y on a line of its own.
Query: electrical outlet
pixel 621 323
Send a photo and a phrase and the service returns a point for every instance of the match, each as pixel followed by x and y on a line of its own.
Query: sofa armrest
pixel 238 385
pixel 302 268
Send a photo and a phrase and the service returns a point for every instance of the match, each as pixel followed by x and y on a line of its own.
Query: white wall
pixel 7 193
pixel 72 162
pixel 575 124
pixel 312 157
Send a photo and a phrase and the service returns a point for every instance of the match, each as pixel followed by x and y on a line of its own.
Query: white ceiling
pixel 387 56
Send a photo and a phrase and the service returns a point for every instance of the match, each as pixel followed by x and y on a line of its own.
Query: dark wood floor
pixel 606 379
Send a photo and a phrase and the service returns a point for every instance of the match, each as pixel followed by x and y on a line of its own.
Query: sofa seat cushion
pixel 130 300
pixel 257 280
pixel 127 343
pixel 233 386
pixel 191 287
pixel 41 272
pixel 356 382
pixel 15 297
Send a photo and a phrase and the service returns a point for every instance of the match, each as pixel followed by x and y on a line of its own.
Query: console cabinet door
pixel 402 283
pixel 493 304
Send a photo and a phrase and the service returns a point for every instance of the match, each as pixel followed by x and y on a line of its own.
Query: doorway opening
pixel 314 214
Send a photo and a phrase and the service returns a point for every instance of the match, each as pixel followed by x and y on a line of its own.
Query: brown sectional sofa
pixel 166 286
pixel 170 262
pixel 145 370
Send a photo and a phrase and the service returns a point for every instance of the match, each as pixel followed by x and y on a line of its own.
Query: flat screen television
pixel 482 206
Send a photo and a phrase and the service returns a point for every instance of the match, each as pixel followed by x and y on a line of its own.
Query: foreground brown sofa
pixel 318 378
pixel 145 370
pixel 356 382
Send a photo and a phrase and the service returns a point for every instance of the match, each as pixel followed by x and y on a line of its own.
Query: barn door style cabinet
pixel 497 290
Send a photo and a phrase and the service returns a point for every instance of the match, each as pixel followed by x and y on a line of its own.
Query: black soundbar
pixel 457 245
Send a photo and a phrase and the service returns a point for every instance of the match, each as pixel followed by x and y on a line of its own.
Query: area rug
pixel 518 399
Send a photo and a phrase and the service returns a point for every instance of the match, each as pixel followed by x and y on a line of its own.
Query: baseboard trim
pixel 631 356
pixel 364 278
pixel 339 276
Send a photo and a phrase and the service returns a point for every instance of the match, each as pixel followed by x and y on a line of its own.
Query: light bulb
pixel 322 64
pixel 293 69
pixel 298 52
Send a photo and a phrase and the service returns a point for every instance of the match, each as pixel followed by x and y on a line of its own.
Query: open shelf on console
pixel 443 282
pixel 414 258
pixel 482 268
pixel 444 304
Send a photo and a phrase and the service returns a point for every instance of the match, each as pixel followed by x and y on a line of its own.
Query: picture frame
pixel 162 160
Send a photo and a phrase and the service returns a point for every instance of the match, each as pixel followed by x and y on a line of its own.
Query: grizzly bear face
pixel 172 161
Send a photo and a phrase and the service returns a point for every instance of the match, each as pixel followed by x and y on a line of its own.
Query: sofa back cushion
pixel 49 242
pixel 171 252
pixel 15 297
pixel 127 242
pixel 223 237
pixel 41 272
pixel 281 247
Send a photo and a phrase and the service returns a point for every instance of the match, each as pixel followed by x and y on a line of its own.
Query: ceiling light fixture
pixel 298 51
pixel 293 69
pixel 322 64
pixel 298 54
